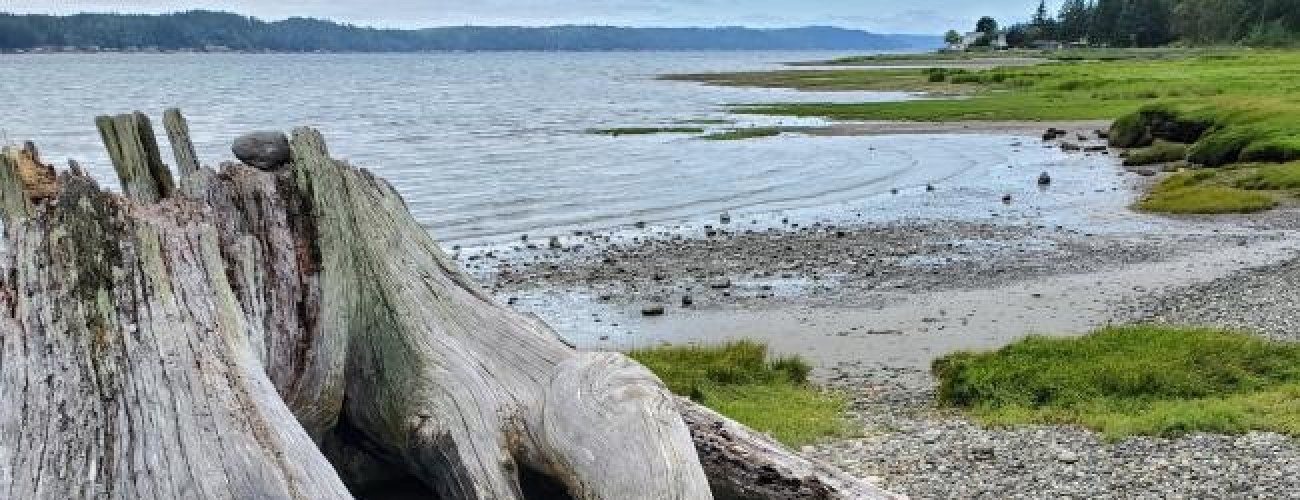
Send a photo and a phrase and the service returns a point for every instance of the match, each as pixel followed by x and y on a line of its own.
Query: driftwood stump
pixel 298 335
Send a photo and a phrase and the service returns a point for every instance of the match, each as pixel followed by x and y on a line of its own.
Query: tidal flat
pixel 873 303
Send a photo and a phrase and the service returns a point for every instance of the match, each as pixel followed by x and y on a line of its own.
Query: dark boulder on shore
pixel 263 150
pixel 1044 179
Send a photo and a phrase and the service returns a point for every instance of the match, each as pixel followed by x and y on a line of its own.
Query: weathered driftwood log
pixel 283 334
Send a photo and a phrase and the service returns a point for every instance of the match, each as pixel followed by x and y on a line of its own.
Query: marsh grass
pixel 1276 177
pixel 744 133
pixel 1096 85
pixel 1139 380
pixel 740 381
pixel 1159 152
pixel 1241 189
pixel 615 132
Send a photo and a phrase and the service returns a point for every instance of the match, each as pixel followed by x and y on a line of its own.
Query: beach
pixel 871 303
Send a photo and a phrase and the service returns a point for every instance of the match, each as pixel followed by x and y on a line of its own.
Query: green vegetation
pixel 1274 177
pixel 905 80
pixel 744 133
pixel 1154 23
pixel 1068 90
pixel 646 130
pixel 738 380
pixel 1156 153
pixel 1140 380
pixel 1206 200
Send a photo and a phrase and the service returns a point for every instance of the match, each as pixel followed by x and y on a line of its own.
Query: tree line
pixel 1153 23
pixel 200 29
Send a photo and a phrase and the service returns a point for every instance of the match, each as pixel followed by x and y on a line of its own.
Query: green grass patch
pixel 1005 55
pixel 1159 152
pixel 744 133
pixel 1139 380
pixel 899 80
pixel 1207 200
pixel 1084 85
pixel 706 121
pixel 645 130
pixel 1274 177
pixel 740 381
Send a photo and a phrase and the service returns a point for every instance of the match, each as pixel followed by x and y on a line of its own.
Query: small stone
pixel 1044 179
pixel 653 310
pixel 263 150
pixel 1067 457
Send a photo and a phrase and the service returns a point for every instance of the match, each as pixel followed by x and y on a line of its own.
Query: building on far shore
pixel 972 39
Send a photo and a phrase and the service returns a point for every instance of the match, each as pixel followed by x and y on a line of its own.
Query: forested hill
pixel 1150 23
pixel 200 29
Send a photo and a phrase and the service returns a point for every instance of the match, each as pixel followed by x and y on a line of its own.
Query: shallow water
pixel 487 146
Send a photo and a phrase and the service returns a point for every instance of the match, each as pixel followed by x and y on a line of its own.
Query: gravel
pixel 1265 300
pixel 911 448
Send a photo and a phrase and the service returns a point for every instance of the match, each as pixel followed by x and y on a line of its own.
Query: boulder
pixel 1044 179
pixel 263 150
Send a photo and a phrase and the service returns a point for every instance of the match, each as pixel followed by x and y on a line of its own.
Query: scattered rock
pixel 653 310
pixel 1044 179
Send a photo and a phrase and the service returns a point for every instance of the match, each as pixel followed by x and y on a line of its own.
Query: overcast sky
pixel 885 16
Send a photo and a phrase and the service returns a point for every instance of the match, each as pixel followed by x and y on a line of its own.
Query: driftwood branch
pixel 296 333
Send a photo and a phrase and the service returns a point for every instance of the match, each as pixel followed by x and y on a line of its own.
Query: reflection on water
pixel 486 146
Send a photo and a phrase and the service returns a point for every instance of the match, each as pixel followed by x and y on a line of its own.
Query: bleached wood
pixel 13 201
pixel 233 339
pixel 133 149
pixel 746 465
pixel 124 365
pixel 178 133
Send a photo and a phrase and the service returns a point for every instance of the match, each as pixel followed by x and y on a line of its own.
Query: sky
pixel 910 16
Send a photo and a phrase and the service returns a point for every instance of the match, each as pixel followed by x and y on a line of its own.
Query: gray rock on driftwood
pixel 264 150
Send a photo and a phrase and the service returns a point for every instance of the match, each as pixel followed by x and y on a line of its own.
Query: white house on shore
pixel 970 39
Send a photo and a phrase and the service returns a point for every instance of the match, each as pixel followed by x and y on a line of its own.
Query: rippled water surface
pixel 487 146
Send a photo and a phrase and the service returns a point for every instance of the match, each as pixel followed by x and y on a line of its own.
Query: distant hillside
pixel 205 29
